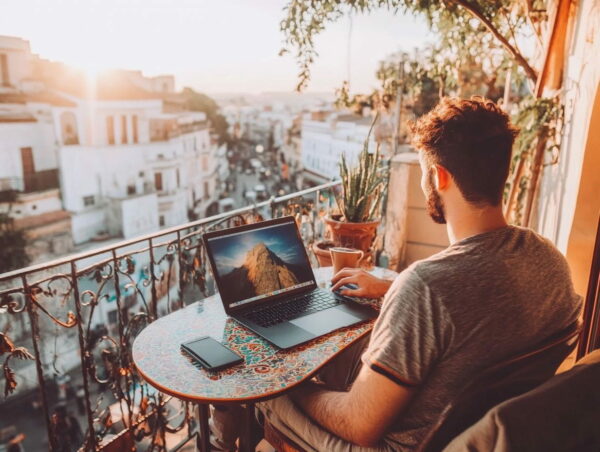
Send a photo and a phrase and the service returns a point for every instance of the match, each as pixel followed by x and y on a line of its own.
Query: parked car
pixel 265 174
pixel 261 192
pixel 255 163
pixel 226 205
pixel 250 196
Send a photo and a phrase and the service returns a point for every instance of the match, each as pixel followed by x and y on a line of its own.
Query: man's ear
pixel 441 177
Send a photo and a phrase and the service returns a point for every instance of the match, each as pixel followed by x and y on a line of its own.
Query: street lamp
pixel 259 148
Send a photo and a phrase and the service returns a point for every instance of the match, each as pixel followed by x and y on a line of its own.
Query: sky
pixel 230 252
pixel 215 46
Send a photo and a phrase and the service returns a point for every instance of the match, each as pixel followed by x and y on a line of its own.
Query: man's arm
pixel 361 415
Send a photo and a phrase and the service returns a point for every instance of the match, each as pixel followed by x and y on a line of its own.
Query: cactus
pixel 363 185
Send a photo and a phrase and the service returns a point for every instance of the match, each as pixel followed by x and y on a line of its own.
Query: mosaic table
pixel 267 371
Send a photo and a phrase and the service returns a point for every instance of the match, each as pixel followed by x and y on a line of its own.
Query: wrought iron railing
pixel 76 318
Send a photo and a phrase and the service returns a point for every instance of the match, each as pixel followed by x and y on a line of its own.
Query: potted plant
pixel 359 203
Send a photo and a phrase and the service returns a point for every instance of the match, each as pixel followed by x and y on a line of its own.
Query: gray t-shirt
pixel 478 302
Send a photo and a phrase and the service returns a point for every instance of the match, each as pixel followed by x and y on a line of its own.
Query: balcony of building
pixel 76 317
pixel 31 182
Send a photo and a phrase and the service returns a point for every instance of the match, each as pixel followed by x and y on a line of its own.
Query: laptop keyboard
pixel 290 309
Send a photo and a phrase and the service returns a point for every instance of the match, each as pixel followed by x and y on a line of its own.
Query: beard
pixel 435 206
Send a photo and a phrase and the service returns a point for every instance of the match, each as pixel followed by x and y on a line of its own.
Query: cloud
pixel 225 263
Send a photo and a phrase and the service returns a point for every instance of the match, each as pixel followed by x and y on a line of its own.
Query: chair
pixel 560 415
pixel 498 383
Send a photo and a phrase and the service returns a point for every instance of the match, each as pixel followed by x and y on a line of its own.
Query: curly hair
pixel 473 140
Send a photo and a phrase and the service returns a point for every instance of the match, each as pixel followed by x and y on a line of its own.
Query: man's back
pixel 480 301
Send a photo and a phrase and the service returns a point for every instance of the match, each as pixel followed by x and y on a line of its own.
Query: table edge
pixel 254 399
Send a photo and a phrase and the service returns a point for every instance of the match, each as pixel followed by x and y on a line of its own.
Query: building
pixel 30 132
pixel 326 135
pixel 119 152
pixel 142 170
pixel 291 148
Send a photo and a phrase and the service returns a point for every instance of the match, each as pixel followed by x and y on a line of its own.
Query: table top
pixel 266 371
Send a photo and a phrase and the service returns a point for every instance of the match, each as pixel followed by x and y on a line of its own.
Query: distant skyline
pixel 213 46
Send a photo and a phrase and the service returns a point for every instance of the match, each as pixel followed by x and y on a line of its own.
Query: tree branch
pixel 520 59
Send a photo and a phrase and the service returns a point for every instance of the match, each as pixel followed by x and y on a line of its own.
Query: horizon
pixel 242 52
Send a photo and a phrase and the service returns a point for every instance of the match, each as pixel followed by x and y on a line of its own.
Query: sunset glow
pixel 214 46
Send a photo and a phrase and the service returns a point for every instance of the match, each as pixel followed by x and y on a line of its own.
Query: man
pixel 495 292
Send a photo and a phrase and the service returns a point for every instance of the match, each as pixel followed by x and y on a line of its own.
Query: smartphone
pixel 211 354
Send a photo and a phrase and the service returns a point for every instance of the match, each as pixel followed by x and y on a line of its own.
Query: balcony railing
pixel 41 180
pixel 38 181
pixel 79 315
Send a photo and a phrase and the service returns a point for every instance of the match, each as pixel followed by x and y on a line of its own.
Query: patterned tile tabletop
pixel 266 370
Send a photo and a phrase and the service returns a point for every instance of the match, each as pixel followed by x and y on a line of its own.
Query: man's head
pixel 468 144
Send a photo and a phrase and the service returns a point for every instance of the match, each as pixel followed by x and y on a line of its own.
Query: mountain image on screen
pixel 262 272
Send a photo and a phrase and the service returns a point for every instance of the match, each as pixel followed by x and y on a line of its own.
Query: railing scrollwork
pixel 76 318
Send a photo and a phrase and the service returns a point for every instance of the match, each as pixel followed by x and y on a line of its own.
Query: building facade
pixel 110 157
pixel 326 135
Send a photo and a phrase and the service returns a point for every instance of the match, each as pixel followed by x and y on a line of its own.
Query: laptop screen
pixel 251 265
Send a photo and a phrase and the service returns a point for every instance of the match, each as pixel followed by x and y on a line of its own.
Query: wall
pixel 568 188
pixel 323 142
pixel 16 135
pixel 30 204
pixel 88 224
pixel 138 215
pixel 94 114
pixel 410 233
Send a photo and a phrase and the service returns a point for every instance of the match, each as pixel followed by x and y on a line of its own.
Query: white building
pixel 29 134
pixel 128 158
pixel 325 137
pixel 138 169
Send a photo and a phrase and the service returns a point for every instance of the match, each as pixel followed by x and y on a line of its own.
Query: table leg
pixel 203 442
pixel 246 440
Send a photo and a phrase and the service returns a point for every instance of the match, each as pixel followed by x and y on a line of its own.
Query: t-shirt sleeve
pixel 411 334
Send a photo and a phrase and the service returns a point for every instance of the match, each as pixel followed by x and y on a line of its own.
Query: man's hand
pixel 369 286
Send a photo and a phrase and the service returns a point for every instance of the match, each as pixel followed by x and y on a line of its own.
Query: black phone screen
pixel 211 353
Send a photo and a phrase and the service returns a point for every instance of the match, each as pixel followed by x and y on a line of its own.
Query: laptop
pixel 266 283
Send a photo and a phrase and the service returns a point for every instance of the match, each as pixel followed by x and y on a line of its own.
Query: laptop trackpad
pixel 325 321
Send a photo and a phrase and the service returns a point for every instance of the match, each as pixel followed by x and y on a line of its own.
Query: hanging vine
pixel 541 123
pixel 478 40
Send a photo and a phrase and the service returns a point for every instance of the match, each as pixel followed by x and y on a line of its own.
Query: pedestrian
pixel 66 429
pixel 14 445
pixel 80 394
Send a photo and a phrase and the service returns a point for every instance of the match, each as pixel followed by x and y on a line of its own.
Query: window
pixel 112 317
pixel 204 163
pixel 131 190
pixel 158 182
pixel 110 130
pixel 177 176
pixel 4 80
pixel 123 129
pixel 89 201
pixel 134 127
pixel 161 220
pixel 206 190
pixel 68 123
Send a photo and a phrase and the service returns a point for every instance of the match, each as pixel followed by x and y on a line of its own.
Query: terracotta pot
pixel 352 235
pixel 321 250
